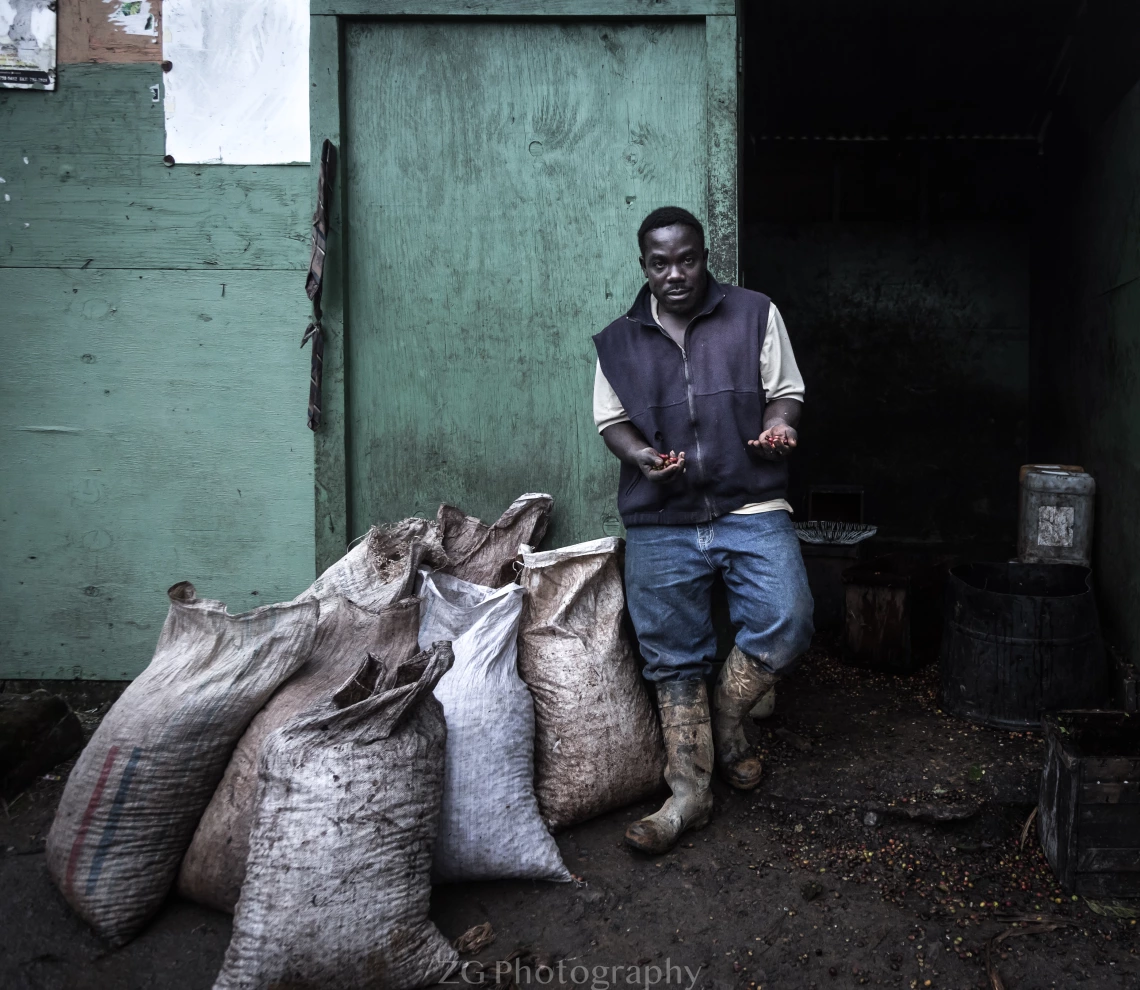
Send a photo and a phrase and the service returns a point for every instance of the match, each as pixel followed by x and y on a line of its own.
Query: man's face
pixel 675 265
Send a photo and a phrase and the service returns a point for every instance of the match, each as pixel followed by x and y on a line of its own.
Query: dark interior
pixel 906 182
pixel 1099 735
pixel 1028 580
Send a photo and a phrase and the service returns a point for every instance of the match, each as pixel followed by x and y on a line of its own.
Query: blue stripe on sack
pixel 108 836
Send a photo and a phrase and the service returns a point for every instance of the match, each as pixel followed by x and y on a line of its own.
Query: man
pixel 698 395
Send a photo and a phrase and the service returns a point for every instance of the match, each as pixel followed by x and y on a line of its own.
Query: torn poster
pixel 315 281
pixel 133 17
pixel 237 92
pixel 27 44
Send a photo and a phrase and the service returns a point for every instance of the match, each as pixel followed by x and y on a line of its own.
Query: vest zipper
pixel 692 411
pixel 693 424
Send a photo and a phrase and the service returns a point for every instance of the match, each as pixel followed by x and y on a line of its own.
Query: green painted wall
pixel 152 393
pixel 496 175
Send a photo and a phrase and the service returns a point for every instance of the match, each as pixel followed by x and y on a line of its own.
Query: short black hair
pixel 667 216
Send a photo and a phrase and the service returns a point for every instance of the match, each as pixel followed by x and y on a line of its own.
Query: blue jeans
pixel 669 572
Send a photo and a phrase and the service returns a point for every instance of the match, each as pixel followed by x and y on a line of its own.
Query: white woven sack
pixel 597 743
pixel 338 879
pixel 138 789
pixel 490 827
pixel 214 865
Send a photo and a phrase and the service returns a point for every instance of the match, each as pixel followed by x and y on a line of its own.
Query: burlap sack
pixel 381 568
pixel 214 865
pixel 485 554
pixel 136 793
pixel 490 827
pixel 597 742
pixel 338 877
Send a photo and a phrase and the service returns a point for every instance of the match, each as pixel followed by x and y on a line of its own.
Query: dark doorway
pixel 895 193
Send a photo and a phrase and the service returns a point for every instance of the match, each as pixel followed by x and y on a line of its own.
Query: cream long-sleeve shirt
pixel 779 375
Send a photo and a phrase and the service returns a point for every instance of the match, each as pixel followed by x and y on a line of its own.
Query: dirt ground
pixel 882 849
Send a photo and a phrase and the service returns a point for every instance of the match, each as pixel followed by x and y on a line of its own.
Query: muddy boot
pixel 765 706
pixel 688 767
pixel 742 683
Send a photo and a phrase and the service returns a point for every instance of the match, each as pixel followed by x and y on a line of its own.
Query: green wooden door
pixel 495 172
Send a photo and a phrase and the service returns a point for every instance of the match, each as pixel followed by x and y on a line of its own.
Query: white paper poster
pixel 238 89
pixel 27 44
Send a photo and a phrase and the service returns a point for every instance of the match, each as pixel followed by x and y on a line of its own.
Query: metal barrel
pixel 1021 640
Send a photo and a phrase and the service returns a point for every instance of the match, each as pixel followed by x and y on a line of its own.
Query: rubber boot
pixel 688 767
pixel 765 706
pixel 741 684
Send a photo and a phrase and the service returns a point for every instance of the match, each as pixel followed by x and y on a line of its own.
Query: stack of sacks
pixel 346 813
pixel 138 791
pixel 327 701
pixel 379 572
pixel 214 866
pixel 365 606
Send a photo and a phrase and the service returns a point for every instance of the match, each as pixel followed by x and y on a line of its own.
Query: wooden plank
pixel 1110 860
pixel 1110 792
pixel 115 212
pixel 330 478
pixel 497 174
pixel 86 186
pixel 1119 769
pixel 1103 886
pixel 720 38
pixel 877 626
pixel 87 32
pixel 98 109
pixel 1125 682
pixel 152 429
pixel 1108 825
pixel 522 8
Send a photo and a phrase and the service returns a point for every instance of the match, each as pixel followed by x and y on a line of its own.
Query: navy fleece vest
pixel 706 400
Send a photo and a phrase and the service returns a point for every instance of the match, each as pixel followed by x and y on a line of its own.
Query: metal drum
pixel 1020 640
